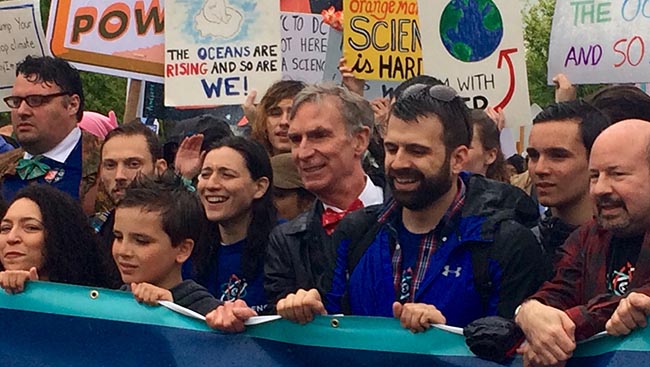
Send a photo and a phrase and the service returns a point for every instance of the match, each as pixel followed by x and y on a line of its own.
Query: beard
pixel 618 224
pixel 428 191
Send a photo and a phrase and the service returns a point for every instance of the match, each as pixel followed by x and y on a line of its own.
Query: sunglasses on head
pixel 33 100
pixel 441 93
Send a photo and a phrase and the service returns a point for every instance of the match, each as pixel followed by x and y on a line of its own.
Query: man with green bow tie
pixel 29 169
pixel 46 104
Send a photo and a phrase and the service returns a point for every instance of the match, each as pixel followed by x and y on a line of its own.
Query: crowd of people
pixel 403 207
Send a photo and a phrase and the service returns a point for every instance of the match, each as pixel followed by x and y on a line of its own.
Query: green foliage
pixel 537 35
pixel 45 11
pixel 104 93
pixel 538 19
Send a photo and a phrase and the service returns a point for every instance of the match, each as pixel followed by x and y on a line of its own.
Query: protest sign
pixel 477 47
pixel 597 41
pixel 21 35
pixel 308 6
pixel 118 38
pixel 373 88
pixel 217 51
pixel 304 46
pixel 381 39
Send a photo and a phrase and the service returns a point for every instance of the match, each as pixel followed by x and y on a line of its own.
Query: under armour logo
pixel 447 271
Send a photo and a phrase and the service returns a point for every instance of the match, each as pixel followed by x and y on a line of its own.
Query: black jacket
pixel 552 232
pixel 105 238
pixel 300 255
pixel 190 294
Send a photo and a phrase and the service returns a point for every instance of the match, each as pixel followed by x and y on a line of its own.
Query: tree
pixel 537 35
pixel 538 19
pixel 103 93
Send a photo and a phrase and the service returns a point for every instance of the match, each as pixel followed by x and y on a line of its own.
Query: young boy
pixel 156 226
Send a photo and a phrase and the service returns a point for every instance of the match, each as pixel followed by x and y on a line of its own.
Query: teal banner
pixel 61 325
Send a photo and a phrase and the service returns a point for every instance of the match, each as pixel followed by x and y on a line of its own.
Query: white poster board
pixel 477 48
pixel 304 46
pixel 21 35
pixel 601 41
pixel 217 51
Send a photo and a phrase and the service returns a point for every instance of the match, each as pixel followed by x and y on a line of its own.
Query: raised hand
pixel 350 81
pixel 189 156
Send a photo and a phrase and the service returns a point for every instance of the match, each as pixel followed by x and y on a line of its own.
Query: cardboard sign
pixel 596 41
pixel 21 35
pixel 373 88
pixel 118 38
pixel 217 51
pixel 477 48
pixel 304 46
pixel 381 39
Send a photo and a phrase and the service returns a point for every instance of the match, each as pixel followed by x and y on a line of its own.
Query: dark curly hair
pixel 71 252
pixel 55 70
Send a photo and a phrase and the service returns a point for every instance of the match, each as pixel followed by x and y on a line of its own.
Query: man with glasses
pixel 448 248
pixel 46 103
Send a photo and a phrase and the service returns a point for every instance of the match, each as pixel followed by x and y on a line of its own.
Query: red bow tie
pixel 331 218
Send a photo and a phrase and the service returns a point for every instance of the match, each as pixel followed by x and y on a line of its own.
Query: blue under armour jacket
pixel 495 216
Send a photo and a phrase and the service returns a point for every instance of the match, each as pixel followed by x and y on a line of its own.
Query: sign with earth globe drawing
pixel 471 30
pixel 477 48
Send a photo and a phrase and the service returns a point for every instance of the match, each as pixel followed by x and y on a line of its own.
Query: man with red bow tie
pixel 329 131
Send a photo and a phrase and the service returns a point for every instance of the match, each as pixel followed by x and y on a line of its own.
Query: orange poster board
pixel 123 38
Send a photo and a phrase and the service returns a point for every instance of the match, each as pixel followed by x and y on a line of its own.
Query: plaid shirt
pixel 579 286
pixel 428 244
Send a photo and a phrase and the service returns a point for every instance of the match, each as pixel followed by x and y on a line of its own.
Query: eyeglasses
pixel 34 100
pixel 442 93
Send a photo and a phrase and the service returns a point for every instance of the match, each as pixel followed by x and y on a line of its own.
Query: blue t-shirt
pixel 410 244
pixel 225 280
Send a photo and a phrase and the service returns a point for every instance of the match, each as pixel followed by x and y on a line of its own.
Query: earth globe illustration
pixel 471 30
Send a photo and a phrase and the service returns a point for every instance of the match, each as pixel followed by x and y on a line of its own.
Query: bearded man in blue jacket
pixel 450 247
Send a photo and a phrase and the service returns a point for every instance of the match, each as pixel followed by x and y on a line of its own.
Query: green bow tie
pixel 29 169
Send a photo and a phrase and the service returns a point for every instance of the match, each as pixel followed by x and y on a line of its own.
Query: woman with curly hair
pixel 271 123
pixel 45 235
